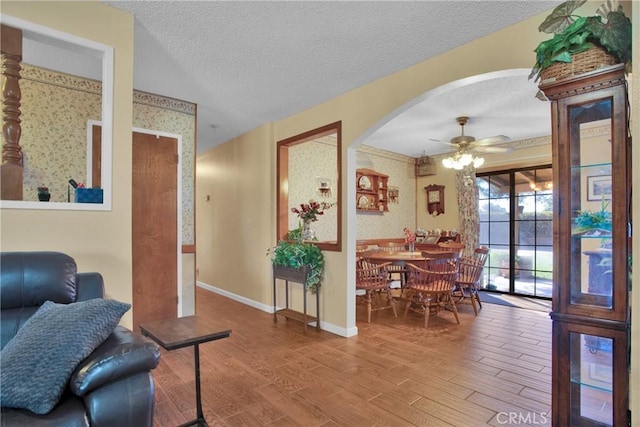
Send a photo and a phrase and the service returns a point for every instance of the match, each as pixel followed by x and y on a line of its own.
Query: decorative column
pixel 11 50
pixel 468 207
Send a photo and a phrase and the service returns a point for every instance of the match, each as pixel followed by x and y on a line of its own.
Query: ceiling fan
pixel 466 143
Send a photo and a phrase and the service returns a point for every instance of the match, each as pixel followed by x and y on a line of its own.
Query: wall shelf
pixel 372 191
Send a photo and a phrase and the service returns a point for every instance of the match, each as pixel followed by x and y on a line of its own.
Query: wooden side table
pixel 172 334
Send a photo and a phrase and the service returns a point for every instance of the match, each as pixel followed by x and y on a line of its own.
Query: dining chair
pixel 451 246
pixel 429 289
pixel 361 248
pixel 395 271
pixel 469 276
pixel 374 280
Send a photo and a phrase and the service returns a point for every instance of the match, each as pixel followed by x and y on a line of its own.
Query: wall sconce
pixel 324 187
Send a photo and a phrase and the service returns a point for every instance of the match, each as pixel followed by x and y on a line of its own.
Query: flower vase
pixel 307 232
pixel 412 246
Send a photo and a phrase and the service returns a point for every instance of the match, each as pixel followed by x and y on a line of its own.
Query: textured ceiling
pixel 249 63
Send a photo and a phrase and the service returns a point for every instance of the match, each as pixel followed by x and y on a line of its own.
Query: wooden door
pixel 154 228
pixel 96 156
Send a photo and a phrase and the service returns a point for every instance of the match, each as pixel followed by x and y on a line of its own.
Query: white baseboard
pixel 325 326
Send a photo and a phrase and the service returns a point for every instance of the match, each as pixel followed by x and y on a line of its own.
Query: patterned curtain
pixel 468 206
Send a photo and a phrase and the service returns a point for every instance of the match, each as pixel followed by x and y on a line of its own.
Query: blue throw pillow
pixel 35 366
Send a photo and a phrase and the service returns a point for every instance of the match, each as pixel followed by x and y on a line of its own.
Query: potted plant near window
pixel 581 44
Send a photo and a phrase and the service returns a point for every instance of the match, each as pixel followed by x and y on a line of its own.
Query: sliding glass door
pixel 516 222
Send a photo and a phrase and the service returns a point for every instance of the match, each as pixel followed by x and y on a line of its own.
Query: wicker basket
pixel 589 60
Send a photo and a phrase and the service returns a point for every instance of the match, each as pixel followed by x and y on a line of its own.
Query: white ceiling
pixel 246 63
pixel 500 103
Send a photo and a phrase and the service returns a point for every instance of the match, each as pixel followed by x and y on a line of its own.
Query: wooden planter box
pixel 296 275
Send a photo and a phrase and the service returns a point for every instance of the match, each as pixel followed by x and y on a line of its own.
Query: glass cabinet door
pixel 596 361
pixel 590 204
pixel 593 207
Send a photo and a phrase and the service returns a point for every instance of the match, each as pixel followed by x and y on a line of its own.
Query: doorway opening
pixel 516 222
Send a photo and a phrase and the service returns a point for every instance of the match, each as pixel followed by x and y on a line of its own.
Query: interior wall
pixel 99 241
pixel 450 220
pixel 236 216
pixel 401 171
pixel 362 111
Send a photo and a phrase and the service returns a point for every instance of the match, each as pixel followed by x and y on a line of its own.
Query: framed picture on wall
pixel 599 187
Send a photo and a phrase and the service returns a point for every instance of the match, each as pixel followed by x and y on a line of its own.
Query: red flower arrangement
pixel 409 236
pixel 310 211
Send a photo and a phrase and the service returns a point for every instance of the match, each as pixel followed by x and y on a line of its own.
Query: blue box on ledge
pixel 88 195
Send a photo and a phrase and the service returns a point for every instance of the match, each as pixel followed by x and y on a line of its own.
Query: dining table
pixel 400 257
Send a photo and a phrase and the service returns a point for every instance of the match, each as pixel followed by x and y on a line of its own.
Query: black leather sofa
pixel 114 385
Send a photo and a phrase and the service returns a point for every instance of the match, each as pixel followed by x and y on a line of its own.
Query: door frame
pixel 90 124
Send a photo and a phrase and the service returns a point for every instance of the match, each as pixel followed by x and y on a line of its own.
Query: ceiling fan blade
pixel 443 142
pixel 489 149
pixel 491 140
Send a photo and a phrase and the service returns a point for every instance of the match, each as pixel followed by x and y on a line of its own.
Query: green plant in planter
pixel 296 254
pixel 610 29
pixel 295 235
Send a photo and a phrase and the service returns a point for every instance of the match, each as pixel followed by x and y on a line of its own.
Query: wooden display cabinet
pixel 372 191
pixel 590 312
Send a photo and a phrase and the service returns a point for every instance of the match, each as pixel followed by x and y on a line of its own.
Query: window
pixel 516 222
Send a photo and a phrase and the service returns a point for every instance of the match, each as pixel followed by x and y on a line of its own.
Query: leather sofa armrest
pixel 122 354
pixel 89 286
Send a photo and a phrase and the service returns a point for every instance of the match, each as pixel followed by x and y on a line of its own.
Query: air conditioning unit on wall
pixel 426 166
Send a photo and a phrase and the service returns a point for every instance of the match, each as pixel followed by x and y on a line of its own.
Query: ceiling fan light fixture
pixel 460 160
pixel 478 161
pixel 447 162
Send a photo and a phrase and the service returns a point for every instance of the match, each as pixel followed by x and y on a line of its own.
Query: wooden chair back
pixel 361 250
pixel 438 273
pixel 432 287
pixel 481 254
pixel 395 270
pixel 374 280
pixel 451 246
pixel 469 271
pixel 370 276
pixel 469 277
pixel 391 246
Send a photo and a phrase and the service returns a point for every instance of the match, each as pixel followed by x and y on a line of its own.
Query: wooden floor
pixel 494 369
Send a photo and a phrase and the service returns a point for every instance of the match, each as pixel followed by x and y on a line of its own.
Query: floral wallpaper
pixel 55 109
pixel 158 113
pixel 401 171
pixel 308 163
